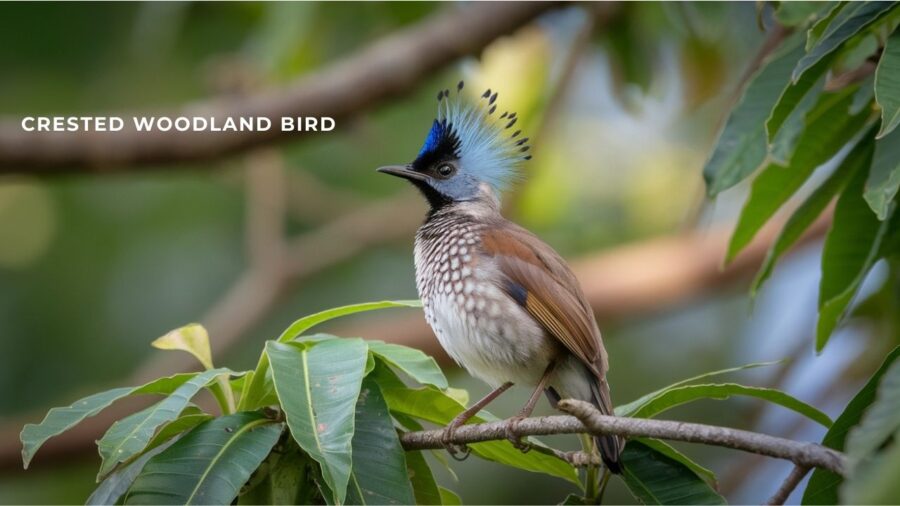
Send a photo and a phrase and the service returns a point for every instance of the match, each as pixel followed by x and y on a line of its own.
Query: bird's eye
pixel 445 170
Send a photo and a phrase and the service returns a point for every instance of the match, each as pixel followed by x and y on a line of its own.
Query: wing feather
pixel 553 296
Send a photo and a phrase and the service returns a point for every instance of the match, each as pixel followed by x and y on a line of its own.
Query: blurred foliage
pixel 832 129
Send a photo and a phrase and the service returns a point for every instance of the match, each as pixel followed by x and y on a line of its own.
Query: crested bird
pixel 501 302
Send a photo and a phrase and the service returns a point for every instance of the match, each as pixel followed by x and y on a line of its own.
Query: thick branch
pixel 387 68
pixel 588 419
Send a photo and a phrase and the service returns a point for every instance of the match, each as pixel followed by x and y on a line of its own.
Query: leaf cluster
pixel 818 122
pixel 317 421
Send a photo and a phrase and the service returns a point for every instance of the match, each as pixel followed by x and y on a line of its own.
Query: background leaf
pixel 887 84
pixel 741 146
pixel 318 386
pixel 209 464
pixel 829 127
pixel 846 23
pixel 809 210
pixel 797 12
pixel 822 487
pixel 379 463
pixel 629 408
pixel 880 421
pixel 721 391
pixel 655 478
pixel 884 178
pixel 851 247
pixel 792 96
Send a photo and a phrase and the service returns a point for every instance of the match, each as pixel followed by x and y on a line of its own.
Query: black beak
pixel 404 171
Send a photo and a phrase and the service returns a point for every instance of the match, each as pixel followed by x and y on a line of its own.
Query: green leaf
pixel 630 408
pixel 851 248
pixel 741 146
pixel 664 448
pixel 288 480
pixel 259 391
pixel 575 500
pixel 59 420
pixel 307 322
pixel 191 417
pixel 190 338
pixel 449 498
pixel 807 212
pixel 797 12
pixel 721 391
pixel 129 436
pixel 829 127
pixel 818 28
pixel 318 386
pixel 793 95
pixel 654 478
pixel 209 464
pixel 784 142
pixel 424 486
pixel 379 473
pixel 434 406
pixel 845 24
pixel 880 421
pixel 875 481
pixel 884 178
pixel 887 85
pixel 823 485
pixel 116 484
pixel 416 364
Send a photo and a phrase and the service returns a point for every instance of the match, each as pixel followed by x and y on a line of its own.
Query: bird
pixel 501 302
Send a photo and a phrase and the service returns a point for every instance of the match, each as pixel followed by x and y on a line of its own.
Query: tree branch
pixel 587 419
pixel 790 483
pixel 387 68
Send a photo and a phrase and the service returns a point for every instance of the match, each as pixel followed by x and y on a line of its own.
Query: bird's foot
pixel 512 434
pixel 459 452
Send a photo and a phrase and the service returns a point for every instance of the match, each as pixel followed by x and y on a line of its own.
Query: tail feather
pixel 610 447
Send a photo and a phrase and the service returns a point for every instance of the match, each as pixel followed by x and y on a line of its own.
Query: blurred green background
pixel 92 268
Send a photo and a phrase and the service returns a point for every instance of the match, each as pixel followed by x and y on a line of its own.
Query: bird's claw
pixel 459 452
pixel 513 436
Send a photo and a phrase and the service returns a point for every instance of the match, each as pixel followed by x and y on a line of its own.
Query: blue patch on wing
pixel 434 137
pixel 516 291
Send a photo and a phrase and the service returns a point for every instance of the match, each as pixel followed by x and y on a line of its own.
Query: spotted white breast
pixel 476 322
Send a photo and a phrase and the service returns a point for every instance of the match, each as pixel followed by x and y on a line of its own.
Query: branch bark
pixel 387 68
pixel 588 420
pixel 790 483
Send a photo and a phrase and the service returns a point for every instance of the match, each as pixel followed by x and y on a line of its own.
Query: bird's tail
pixel 610 447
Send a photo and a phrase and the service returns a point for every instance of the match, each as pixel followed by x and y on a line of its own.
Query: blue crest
pixel 481 139
pixel 437 131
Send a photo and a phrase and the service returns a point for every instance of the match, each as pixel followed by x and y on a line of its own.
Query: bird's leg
pixel 526 410
pixel 464 417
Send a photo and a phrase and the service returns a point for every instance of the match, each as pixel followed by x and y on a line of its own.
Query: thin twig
pixel 790 483
pixel 587 419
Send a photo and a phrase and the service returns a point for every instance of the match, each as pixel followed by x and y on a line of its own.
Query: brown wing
pixel 539 279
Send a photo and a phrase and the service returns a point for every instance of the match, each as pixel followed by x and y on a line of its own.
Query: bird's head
pixel 470 146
